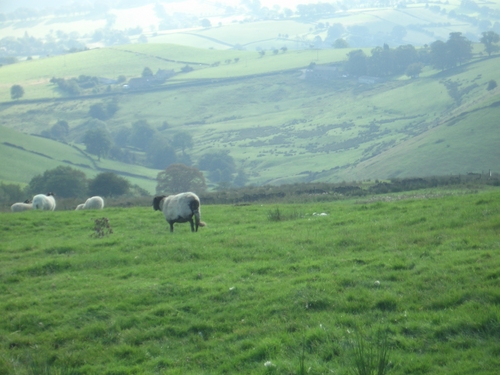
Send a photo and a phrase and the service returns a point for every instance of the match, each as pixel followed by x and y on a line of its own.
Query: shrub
pixel 108 184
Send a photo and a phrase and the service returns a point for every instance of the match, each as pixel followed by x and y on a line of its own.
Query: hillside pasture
pixel 251 289
pixel 281 128
pixel 24 156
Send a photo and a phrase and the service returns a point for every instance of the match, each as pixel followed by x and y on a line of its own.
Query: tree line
pixel 406 59
pixel 68 182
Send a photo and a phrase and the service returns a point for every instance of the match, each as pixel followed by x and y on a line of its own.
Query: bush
pixel 11 193
pixel 108 184
pixel 65 182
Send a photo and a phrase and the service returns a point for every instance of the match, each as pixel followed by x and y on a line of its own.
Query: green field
pixel 297 294
pixel 26 156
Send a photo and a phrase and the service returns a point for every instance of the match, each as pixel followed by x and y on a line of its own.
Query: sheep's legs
pixel 171 226
pixel 192 225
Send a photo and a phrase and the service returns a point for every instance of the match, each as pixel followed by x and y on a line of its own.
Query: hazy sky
pixel 10 5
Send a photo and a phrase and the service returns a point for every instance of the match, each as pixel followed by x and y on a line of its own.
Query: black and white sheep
pixel 45 202
pixel 93 203
pixel 180 208
pixel 22 206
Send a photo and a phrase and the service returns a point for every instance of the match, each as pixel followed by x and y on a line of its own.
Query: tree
pixel 97 111
pixel 16 92
pixel 340 43
pixel 147 72
pixel 219 164
pixel 414 70
pixel 492 84
pixel 459 47
pixel 489 38
pixel 103 111
pixel 403 57
pixel 205 23
pixel 439 55
pixel 179 178
pixel 356 62
pixel 108 184
pixel 398 32
pixel 10 193
pixel 141 134
pixel 121 136
pixel 381 62
pixel 241 179
pixel 336 31
pixel 183 140
pixel 65 182
pixel 59 130
pixel 160 154
pixel 97 142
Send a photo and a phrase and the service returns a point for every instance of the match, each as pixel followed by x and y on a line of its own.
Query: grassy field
pixel 24 156
pixel 248 290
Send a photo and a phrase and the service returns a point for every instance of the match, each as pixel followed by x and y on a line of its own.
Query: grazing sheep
pixel 44 202
pixel 93 203
pixel 180 208
pixel 24 206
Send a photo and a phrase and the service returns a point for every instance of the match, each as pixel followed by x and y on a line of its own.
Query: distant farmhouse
pixel 320 73
pixel 144 82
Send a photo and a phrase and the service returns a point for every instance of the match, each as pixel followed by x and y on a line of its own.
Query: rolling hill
pixel 25 156
pixel 278 127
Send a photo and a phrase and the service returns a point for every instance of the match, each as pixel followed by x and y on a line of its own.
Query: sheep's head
pixel 50 193
pixel 156 202
pixel 27 201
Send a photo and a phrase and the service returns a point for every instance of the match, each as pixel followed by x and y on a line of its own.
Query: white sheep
pixel 44 202
pixel 180 208
pixel 22 206
pixel 93 203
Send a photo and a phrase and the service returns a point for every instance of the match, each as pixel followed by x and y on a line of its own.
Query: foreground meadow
pixel 262 289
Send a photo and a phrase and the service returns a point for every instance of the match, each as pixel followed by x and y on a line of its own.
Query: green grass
pixel 247 289
pixel 40 154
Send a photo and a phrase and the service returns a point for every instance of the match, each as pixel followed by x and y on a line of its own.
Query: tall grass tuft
pixel 371 358
pixel 102 227
pixel 278 215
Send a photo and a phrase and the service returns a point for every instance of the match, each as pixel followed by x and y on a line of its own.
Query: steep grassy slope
pixel 25 156
pixel 246 290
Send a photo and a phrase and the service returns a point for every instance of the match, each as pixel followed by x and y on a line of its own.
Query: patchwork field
pixel 272 288
pixel 277 126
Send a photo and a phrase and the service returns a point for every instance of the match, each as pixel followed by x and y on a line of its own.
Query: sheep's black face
pixel 156 202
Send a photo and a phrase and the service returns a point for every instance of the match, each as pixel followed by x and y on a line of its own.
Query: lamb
pixel 44 202
pixel 22 206
pixel 93 203
pixel 180 208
